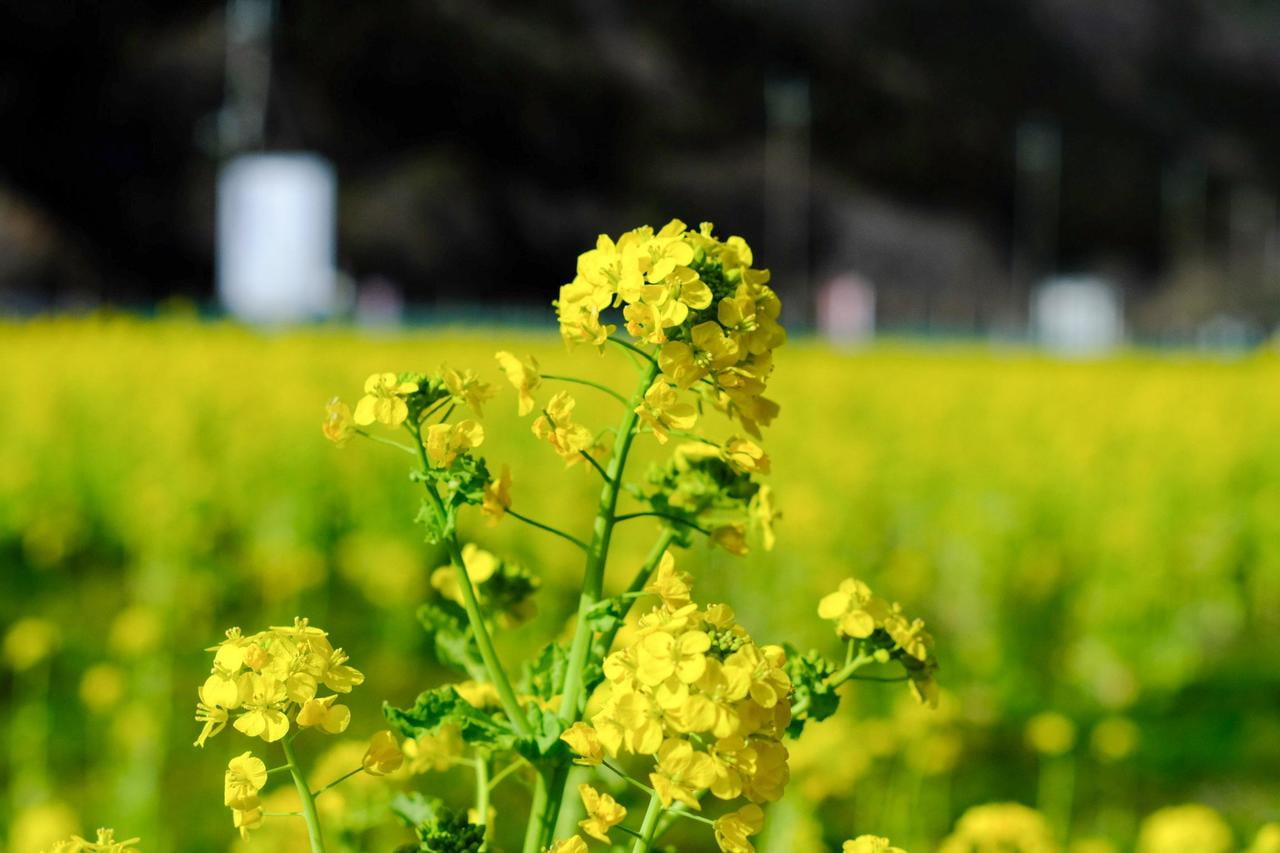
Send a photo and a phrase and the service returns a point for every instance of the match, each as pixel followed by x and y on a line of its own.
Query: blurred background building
pixel 948 157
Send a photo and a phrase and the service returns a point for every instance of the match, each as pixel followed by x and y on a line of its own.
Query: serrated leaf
pixel 442 705
pixel 451 637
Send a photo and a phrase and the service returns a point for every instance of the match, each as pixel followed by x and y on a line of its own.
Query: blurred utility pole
pixel 243 118
pixel 788 117
pixel 1037 199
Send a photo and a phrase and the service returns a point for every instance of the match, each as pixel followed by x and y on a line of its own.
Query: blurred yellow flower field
pixel 1095 545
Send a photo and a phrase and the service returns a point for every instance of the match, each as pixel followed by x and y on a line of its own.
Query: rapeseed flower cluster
pixel 266 678
pixel 688 687
pixel 1001 826
pixel 699 300
pixel 882 629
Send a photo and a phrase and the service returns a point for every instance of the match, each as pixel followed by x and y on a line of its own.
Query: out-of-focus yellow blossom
pixel 1114 738
pixel 870 844
pixel 1001 826
pixel 136 630
pixel 761 514
pixel 383 401
pixel 730 537
pixel 497 496
pixel 479 694
pixel 105 843
pixel 338 425
pixel 324 715
pixel 383 756
pixel 555 426
pixel 445 442
pixel 732 830
pixel 662 410
pixel 673 586
pixel 265 677
pixel 572 844
pixel 246 776
pixel 1267 840
pixel 585 743
pixel 29 641
pixel 1092 845
pixel 1183 829
pixel 746 456
pixel 1051 733
pixel 102 687
pixel 523 376
pixel 246 819
pixel 465 388
pixel 435 751
pixel 855 610
pixel 603 813
pixel 480 565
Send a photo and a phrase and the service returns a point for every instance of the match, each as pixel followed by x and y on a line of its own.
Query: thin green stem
pixel 502 774
pixel 594 464
pixel 397 445
pixel 547 527
pixel 540 811
pixel 344 777
pixel 669 517
pixel 649 826
pixel 629 780
pixel 482 791
pixel 309 812
pixel 471 605
pixel 635 349
pixel 280 769
pixel 598 386
pixel 282 814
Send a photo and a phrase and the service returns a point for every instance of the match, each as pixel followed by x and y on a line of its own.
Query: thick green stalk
pixel 649 827
pixel 539 812
pixel 470 604
pixel 309 813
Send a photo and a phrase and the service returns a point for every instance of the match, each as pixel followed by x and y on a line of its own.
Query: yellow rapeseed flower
pixel 523 376
pixel 673 586
pixel 338 425
pixel 446 442
pixel 603 813
pixel 383 400
pixel 855 610
pixel 585 743
pixel 662 410
pixel 870 844
pixel 246 776
pixel 324 715
pixel 383 755
pixel 572 844
pixel 746 456
pixel 732 829
pixel 555 426
pixel 497 496
pixel 1051 733
pixel 681 772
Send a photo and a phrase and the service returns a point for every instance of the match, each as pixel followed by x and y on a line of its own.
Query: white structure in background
pixel 1077 315
pixel 847 309
pixel 276 237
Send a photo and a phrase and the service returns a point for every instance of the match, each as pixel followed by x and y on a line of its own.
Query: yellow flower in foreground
pixel 731 537
pixel 603 813
pixel 585 743
pixel 762 515
pixel 497 496
pixel 383 755
pixel 682 771
pixel 337 425
pixel 246 819
pixel 1187 827
pixel 856 612
pixel 324 715
pixel 445 442
pixel 662 410
pixel 572 844
pixel 555 426
pixel 466 388
pixel 246 776
pixel 383 400
pixel 732 829
pixel 746 456
pixel 870 844
pixel 523 376
pixel 672 585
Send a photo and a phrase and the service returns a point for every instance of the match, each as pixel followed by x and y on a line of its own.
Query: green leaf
pixel 413 808
pixel 545 676
pixel 436 527
pixel 451 637
pixel 450 832
pixel 438 706
pixel 606 615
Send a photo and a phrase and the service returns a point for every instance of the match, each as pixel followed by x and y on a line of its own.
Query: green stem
pixel 599 387
pixel 397 445
pixel 677 519
pixel 649 826
pixel 482 791
pixel 541 809
pixel 344 777
pixel 538 524
pixel 309 813
pixel 594 464
pixel 484 642
pixel 628 345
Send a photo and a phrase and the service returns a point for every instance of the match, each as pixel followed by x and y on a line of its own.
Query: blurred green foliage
pixel 1097 538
